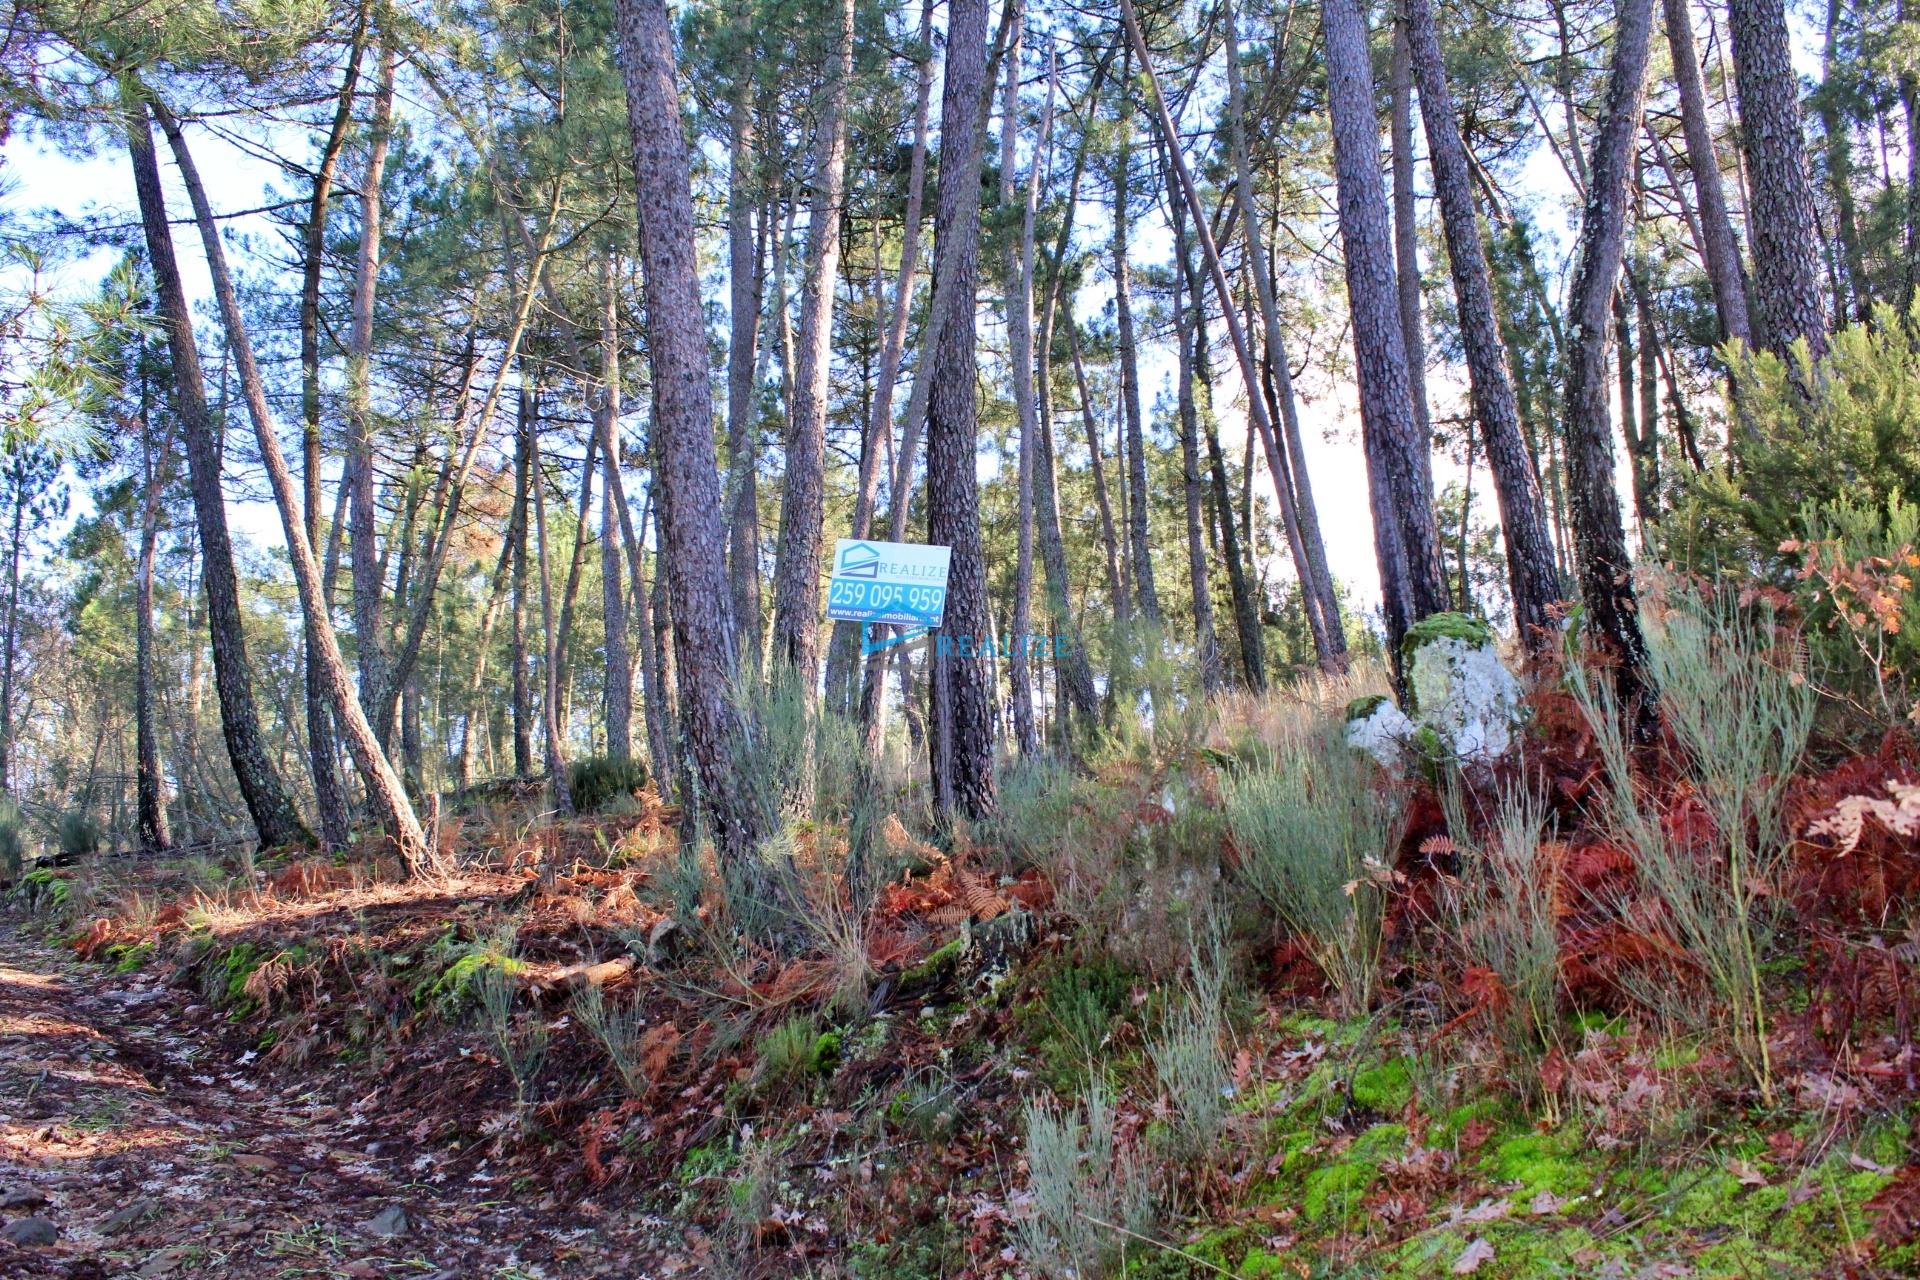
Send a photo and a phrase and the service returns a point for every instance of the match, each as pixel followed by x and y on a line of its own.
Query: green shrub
pixel 1036 807
pixel 1858 583
pixel 520 1043
pixel 620 1029
pixel 595 782
pixel 1501 909
pixel 1733 691
pixel 13 841
pixel 795 1050
pixel 1315 832
pixel 1088 1191
pixel 76 834
pixel 1189 1057
pixel 1851 438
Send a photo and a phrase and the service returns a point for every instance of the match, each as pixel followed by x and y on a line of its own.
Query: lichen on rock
pixel 1461 701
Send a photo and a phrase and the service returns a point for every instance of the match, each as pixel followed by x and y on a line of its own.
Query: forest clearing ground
pixel 154 1152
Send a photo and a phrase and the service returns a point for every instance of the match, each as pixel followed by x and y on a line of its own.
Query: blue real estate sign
pixel 902 584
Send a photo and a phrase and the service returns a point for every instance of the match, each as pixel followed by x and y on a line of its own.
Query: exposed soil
pixel 154 1151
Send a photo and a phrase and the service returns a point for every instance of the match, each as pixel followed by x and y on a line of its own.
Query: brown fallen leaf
pixel 1472 1257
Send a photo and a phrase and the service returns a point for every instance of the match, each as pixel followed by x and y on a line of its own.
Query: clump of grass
pixel 1733 691
pixel 621 1031
pixel 520 1042
pixel 1314 830
pixel 791 1051
pixel 76 834
pixel 1188 1056
pixel 1500 906
pixel 1088 1194
pixel 1036 808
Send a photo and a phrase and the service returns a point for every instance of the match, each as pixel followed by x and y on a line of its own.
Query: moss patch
pixel 1385 1089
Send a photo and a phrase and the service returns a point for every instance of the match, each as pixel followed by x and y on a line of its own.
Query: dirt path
pixel 150 1152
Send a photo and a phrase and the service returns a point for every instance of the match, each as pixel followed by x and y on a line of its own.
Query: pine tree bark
pixel 1787 301
pixel 1406 234
pixel 1719 245
pixel 1018 274
pixel 1139 540
pixel 385 794
pixel 1292 483
pixel 266 796
pixel 1073 672
pixel 1599 537
pixel 962 691
pixel 613 589
pixel 330 797
pixel 796 574
pixel 550 658
pixel 517 533
pixel 893 347
pixel 1191 361
pixel 150 784
pixel 746 281
pixel 1406 537
pixel 1531 575
pixel 690 495
pixel 369 579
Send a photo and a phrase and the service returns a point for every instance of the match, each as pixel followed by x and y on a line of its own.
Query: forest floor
pixel 152 1150
pixel 566 1053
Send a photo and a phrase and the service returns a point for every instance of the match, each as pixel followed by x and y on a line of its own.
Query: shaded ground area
pixel 149 1150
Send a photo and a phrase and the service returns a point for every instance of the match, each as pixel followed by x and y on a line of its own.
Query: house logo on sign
pixel 860 560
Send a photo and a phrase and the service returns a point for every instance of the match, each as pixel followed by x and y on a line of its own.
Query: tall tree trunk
pixel 1139 542
pixel 570 594
pixel 796 572
pixel 17 475
pixel 266 797
pixel 661 616
pixel 1291 482
pixel 1073 672
pixel 1523 519
pixel 613 587
pixel 330 797
pixel 1600 541
pixel 1786 244
pixel 1837 135
pixel 550 660
pixel 690 496
pixel 1246 610
pixel 1406 538
pixel 474 705
pixel 746 279
pixel 1109 534
pixel 1718 243
pixel 962 688
pixel 1191 359
pixel 150 783
pixel 1018 269
pixel 1910 107
pixel 1406 234
pixel 385 794
pixel 879 435
pixel 517 533
pixel 369 580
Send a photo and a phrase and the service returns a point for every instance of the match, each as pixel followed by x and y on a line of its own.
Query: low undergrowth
pixel 1222 999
